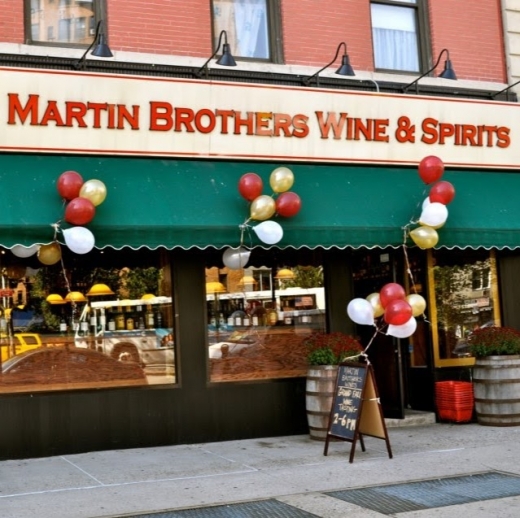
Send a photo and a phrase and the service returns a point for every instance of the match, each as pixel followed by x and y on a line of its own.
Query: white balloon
pixel 24 251
pixel 236 258
pixel 434 215
pixel 426 202
pixel 404 330
pixel 269 232
pixel 361 311
pixel 79 239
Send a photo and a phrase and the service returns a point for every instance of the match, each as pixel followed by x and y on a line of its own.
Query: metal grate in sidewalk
pixel 258 509
pixel 429 494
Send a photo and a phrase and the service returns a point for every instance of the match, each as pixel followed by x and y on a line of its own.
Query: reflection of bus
pixel 147 340
pixel 301 304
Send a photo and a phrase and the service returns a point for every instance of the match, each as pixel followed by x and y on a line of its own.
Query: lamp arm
pixel 205 66
pixel 431 70
pixel 307 81
pixel 505 89
pixel 81 63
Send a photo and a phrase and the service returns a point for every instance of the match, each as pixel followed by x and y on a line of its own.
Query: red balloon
pixel 431 169
pixel 250 186
pixel 389 292
pixel 80 211
pixel 397 312
pixel 288 204
pixel 69 184
pixel 442 192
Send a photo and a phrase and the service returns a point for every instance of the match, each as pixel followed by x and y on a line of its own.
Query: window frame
pixel 423 34
pixel 274 27
pixel 100 13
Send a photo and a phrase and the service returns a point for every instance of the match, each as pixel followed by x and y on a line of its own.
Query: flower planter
pixel 496 382
pixel 321 381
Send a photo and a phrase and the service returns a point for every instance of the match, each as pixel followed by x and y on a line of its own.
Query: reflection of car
pixel 70 366
pixel 461 348
pixel 20 343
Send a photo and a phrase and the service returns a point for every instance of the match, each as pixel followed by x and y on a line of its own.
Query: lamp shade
pixel 75 296
pixel 247 279
pixel 55 298
pixel 148 296
pixel 285 274
pixel 99 289
pixel 215 287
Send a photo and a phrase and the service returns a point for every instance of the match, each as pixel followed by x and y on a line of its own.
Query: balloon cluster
pixel 390 306
pixel 434 212
pixel 81 200
pixel 281 202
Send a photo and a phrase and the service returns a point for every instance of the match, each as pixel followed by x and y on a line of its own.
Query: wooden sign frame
pixel 356 408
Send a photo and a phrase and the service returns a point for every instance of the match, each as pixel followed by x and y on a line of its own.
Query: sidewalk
pixel 289 469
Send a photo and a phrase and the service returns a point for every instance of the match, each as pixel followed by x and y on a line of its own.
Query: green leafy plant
pixel 494 341
pixel 331 348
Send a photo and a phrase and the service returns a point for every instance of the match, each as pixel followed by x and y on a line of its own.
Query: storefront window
pixel 465 299
pixel 258 320
pixel 97 321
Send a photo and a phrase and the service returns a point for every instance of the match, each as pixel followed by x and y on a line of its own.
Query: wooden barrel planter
pixel 321 381
pixel 496 381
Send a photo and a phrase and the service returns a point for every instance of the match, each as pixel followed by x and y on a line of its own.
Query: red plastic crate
pixel 457 415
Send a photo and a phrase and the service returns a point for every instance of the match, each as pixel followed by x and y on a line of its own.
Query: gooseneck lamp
pixel 506 89
pixel 447 73
pixel 344 70
pixel 226 60
pixel 101 49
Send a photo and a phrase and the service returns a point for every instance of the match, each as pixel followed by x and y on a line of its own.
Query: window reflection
pixel 258 320
pixel 103 321
pixel 464 298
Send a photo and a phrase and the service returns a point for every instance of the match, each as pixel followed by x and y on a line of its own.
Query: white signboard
pixel 86 113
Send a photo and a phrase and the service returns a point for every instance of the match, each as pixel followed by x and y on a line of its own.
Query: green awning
pixel 154 202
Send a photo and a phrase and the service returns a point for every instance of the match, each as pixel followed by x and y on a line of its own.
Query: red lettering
pixel 124 115
pixel 160 116
pixel 184 117
pixel 224 116
pixel 331 122
pixel 429 130
pixel 247 122
pixel 15 109
pixel 301 129
pixel 52 114
pixel 282 122
pixel 75 111
pixel 503 137
pixel 97 108
pixel 380 126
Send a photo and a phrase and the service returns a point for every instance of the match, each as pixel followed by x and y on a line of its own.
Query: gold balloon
pixel 281 179
pixel 418 304
pixel 93 190
pixel 263 207
pixel 49 254
pixel 424 237
pixel 15 271
pixel 375 302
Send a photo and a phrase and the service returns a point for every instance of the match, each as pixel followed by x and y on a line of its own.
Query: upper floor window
pixel 251 27
pixel 397 34
pixel 64 22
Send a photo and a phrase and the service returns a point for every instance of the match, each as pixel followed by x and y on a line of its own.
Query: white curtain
pixel 245 22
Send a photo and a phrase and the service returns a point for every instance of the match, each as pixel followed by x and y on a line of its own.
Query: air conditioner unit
pixel 92 32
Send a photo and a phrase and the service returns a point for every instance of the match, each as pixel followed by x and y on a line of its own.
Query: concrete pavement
pixel 290 469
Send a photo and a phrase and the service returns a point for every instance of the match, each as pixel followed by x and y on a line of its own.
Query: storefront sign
pixel 79 112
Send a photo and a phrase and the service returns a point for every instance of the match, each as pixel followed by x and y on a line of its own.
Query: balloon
pixel 236 258
pixel 431 169
pixel 24 251
pixel 250 186
pixel 49 254
pixel 288 204
pixel 375 302
pixel 262 208
pixel 360 311
pixel 434 215
pixel 403 331
pixel 281 179
pixel 69 184
pixel 417 303
pixel 269 232
pixel 80 211
pixel 426 202
pixel 424 237
pixel 389 292
pixel 398 312
pixel 442 192
pixel 95 191
pixel 79 239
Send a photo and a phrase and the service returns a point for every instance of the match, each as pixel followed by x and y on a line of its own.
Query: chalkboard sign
pixel 356 409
